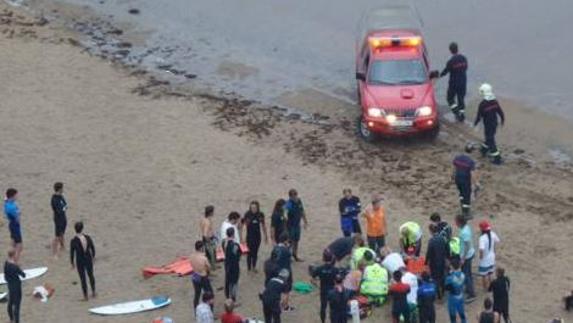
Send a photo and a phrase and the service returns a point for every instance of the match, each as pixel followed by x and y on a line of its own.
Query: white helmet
pixel 486 91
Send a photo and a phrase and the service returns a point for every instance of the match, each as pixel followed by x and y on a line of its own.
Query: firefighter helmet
pixel 486 91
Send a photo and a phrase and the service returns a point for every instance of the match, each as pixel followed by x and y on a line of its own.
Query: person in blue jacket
pixel 349 207
pixel 12 212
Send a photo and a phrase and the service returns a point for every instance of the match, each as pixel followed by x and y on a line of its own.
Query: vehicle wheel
pixel 364 132
pixel 433 134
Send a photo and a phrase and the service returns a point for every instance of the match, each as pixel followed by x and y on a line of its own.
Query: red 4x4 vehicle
pixel 395 87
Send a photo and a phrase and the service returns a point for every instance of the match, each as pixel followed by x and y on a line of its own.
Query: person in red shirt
pixel 399 292
pixel 229 316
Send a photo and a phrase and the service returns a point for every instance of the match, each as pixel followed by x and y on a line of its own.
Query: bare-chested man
pixel 200 275
pixel 209 240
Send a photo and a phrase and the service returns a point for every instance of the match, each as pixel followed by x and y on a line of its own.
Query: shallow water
pixel 266 48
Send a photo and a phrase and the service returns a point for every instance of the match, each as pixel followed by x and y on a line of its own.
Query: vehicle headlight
pixel 424 111
pixel 391 118
pixel 375 112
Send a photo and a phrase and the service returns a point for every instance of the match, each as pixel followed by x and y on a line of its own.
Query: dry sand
pixel 140 165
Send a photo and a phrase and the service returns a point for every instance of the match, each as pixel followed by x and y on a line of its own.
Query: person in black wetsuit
pixel 278 220
pixel 83 251
pixel 342 247
pixel 500 288
pixel 59 206
pixel 436 258
pixel 456 66
pixel 325 273
pixel 281 252
pixel 338 299
pixel 232 262
pixel 272 296
pixel 253 220
pixel 12 274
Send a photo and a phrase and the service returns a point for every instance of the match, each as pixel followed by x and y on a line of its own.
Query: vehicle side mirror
pixel 434 75
pixel 361 76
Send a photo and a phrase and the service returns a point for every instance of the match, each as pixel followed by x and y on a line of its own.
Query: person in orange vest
pixel 375 218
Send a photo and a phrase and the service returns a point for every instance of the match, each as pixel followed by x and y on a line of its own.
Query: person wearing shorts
pixel 295 213
pixel 12 212
pixel 59 206
pixel 487 243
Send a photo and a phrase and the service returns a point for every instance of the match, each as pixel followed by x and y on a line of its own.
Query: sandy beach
pixel 140 159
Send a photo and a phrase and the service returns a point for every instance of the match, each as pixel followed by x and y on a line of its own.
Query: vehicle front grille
pixel 401 112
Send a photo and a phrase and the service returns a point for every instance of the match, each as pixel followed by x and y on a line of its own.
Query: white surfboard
pixel 30 274
pixel 3 295
pixel 133 307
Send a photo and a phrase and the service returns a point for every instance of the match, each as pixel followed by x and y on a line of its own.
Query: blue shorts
pixel 347 224
pixel 484 271
pixel 15 232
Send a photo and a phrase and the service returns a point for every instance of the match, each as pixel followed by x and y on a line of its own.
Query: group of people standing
pixel 286 223
pixel 82 249
pixel 353 265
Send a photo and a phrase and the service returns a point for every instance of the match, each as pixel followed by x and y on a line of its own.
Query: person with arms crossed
pixel 349 207
pixel 13 215
pixel 59 206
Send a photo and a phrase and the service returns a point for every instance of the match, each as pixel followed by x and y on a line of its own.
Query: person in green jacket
pixel 411 237
pixel 359 251
pixel 374 283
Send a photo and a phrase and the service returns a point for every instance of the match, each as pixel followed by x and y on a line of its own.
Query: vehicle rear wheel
pixel 364 132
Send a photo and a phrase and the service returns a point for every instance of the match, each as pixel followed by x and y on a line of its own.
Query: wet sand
pixel 141 159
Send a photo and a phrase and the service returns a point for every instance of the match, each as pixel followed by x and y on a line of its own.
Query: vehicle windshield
pixel 397 72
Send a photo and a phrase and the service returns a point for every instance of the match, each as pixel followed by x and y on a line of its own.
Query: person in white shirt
pixel 412 297
pixel 392 261
pixel 232 221
pixel 204 311
pixel 487 243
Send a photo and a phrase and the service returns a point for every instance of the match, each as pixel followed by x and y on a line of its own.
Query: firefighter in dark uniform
pixel 465 175
pixel 457 66
pixel 488 110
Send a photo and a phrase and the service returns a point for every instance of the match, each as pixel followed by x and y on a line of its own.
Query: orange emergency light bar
pixel 381 42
